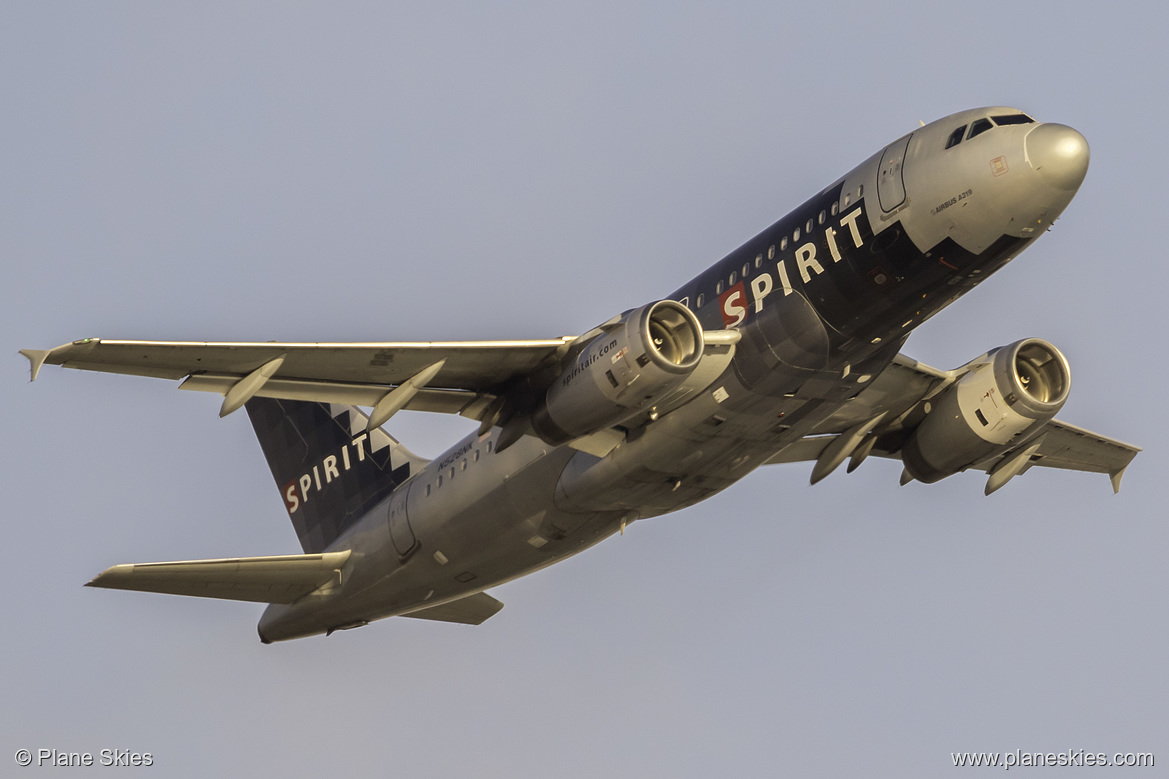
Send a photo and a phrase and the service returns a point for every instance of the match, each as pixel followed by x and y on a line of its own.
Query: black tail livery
pixel 329 469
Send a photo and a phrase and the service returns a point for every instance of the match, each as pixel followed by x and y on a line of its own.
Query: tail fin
pixel 330 472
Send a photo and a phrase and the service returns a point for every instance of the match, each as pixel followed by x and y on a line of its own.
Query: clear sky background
pixel 377 171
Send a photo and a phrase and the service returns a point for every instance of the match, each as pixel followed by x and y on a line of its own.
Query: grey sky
pixel 360 171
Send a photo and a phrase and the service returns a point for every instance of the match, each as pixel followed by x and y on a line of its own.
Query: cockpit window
pixel 956 137
pixel 980 126
pixel 1002 121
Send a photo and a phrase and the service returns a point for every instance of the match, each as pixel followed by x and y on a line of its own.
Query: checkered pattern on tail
pixel 329 471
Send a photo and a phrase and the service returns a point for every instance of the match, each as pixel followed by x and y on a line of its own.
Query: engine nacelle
pixel 1006 394
pixel 621 372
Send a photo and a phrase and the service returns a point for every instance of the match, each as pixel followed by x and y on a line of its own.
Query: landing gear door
pixel 890 178
pixel 401 534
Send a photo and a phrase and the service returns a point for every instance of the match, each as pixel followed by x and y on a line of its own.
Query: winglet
pixel 36 358
pixel 1116 476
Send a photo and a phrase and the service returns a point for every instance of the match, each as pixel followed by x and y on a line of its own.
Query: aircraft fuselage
pixel 823 299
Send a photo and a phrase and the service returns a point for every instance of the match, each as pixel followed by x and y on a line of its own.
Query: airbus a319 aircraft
pixel 787 350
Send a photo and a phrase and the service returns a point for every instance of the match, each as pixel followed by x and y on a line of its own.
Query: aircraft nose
pixel 1059 154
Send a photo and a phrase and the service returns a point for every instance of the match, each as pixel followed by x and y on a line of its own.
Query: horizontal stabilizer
pixel 471 610
pixel 277 579
pixel 36 358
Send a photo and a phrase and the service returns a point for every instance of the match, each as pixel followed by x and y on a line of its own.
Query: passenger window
pixel 822 217
pixel 956 137
pixel 734 278
pixel 808 227
pixel 718 288
pixel 783 243
pixel 428 490
pixel 835 208
pixel 701 299
pixel 747 266
pixel 979 127
pixel 796 235
pixel 771 252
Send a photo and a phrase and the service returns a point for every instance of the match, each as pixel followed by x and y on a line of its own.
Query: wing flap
pixel 442 401
pixel 802 450
pixel 276 579
pixel 471 610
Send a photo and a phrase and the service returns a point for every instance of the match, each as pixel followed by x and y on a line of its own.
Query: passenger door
pixel 401 534
pixel 890 178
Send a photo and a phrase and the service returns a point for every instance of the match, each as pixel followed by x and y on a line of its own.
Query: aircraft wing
pixel 457 377
pixel 1064 446
pixel 278 579
pixel 900 391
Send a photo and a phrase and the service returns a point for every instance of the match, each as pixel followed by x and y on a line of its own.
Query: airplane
pixel 785 351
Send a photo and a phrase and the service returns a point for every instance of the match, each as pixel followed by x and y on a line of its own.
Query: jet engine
pixel 1004 396
pixel 619 373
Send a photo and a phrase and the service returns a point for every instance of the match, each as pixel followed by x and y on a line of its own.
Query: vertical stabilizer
pixel 330 471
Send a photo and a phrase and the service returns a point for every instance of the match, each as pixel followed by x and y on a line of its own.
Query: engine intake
pixel 621 372
pixel 1005 395
pixel 1040 376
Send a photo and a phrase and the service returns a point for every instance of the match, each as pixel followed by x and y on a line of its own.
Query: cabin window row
pixel 808 227
pixel 453 469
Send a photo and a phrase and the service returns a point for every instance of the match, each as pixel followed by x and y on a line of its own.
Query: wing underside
pixel 469 365
pixel 900 391
pixel 1064 446
pixel 451 377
